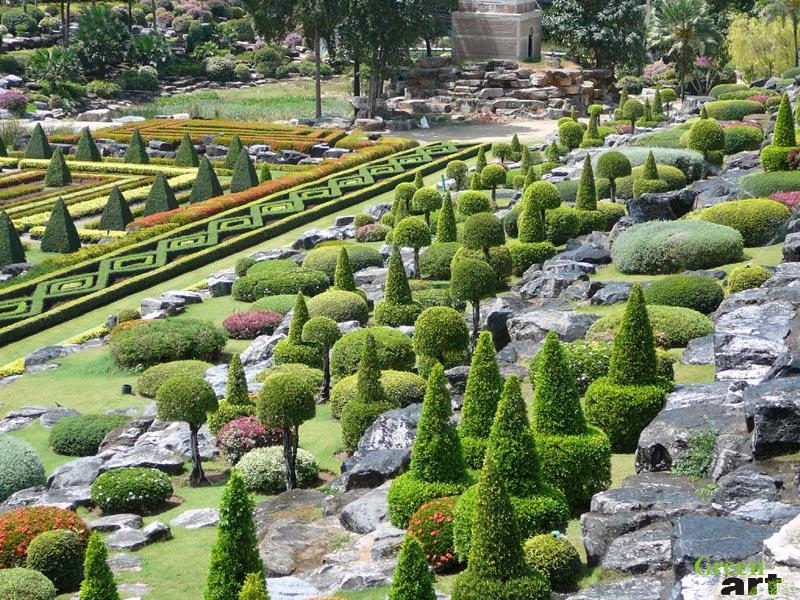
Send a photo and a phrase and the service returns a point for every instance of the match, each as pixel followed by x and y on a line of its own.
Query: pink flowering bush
pixel 788 199
pixel 432 525
pixel 13 101
pixel 250 324
pixel 653 70
pixel 762 98
pixel 293 39
pixel 238 437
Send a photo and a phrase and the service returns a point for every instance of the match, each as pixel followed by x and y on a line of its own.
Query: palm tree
pixel 772 10
pixel 683 30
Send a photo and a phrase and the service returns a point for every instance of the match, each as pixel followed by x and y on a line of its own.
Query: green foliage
pixel 151 379
pixel 98 580
pixel 244 173
pixel 254 588
pixel 492 176
pixel 116 213
pixel 280 303
pixel 745 277
pixel 739 138
pixel 480 163
pixel 472 202
pixel 542 195
pixel 499 259
pixel 340 306
pixel 425 200
pixel 234 151
pixel 227 412
pixel 698 455
pixel 86 150
pixel 632 110
pixel 38 146
pixel 724 88
pixel 613 165
pixel 471 280
pixel 133 489
pixel 407 494
pixel 570 134
pixel 633 360
pixel 412 580
pixel 397 290
pixel 185 399
pixel 11 249
pixel 321 331
pixel 236 386
pixel 103 39
pixel 60 234
pixel 765 184
pixel 343 274
pixel 457 169
pixel 393 350
pixel 80 435
pixel 524 255
pixel 732 110
pixel 648 186
pixel 759 220
pixel 556 558
pixel 440 333
pixel 587 193
pixel 434 262
pixel 698 292
pixel 313 377
pixel 160 198
pixel 482 231
pixel 137 150
pixel 673 326
pixel 650 170
pixel 186 155
pixel 775 158
pixel 446 224
pixel 258 283
pixel 206 185
pixel 669 247
pixel 556 404
pixel 58 555
pixel 25 584
pixel 530 225
pixel 706 136
pixel 285 401
pixel 418 182
pixel 150 343
pixel 20 467
pixel 264 469
pixel 784 125
pixel 326 258
pixel 622 411
pixel 401 387
pixel 561 224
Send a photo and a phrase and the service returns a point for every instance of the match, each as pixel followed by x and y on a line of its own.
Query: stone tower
pixel 499 29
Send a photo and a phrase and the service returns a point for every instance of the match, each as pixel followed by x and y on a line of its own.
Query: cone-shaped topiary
pixel 784 125
pixel 516 147
pixel 703 112
pixel 206 185
pixel 244 174
pixel 525 159
pixel 475 181
pixel 87 150
pixel 633 359
pixel 137 150
pixel 58 174
pixel 186 155
pixel 592 133
pixel 418 182
pixel 264 174
pixel 300 317
pixel 235 552
pixel 116 213
pixel 343 274
pixel 586 198
pixel 446 225
pixel 484 386
pixel 236 387
pixel 368 376
pixel 60 235
pixel 658 108
pixel 397 290
pixel 480 162
pixel 160 198
pixel 234 150
pixel 530 176
pixel 98 580
pixel 254 588
pixel 650 169
pixel 11 250
pixel 530 227
pixel 412 579
pixel 38 146
pixel 556 403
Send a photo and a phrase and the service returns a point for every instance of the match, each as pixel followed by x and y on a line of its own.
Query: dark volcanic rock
pixel 667 206
pixel 773 416
pixel 647 550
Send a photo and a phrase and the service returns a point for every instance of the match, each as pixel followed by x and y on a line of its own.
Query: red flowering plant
pixel 789 199
pixel 238 437
pixel 432 525
pixel 250 324
pixel 19 527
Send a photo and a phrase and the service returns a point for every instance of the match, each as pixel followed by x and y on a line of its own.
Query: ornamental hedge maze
pixel 188 238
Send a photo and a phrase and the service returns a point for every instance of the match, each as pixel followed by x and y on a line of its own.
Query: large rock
pixel 612 292
pixel 69 498
pixel 116 522
pixel 134 539
pixel 53 416
pixel 781 554
pixel 196 518
pixel 290 588
pixel 367 513
pixel 123 437
pixel 48 354
pixel 773 416
pixel 394 429
pixel 791 248
pixel 644 587
pixel 260 349
pixel 666 206
pixel 78 472
pixel 371 469
pixel 146 456
pixel 647 550
pixel 700 351
pixel 175 437
pixel 532 327
pixel 221 283
pixel 746 483
pixel 553 278
pixel 495 314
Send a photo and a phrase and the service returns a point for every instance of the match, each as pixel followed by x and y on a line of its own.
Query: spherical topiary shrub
pixel 58 555
pixel 279 303
pixel 149 381
pixel 739 138
pixel 134 489
pixel 401 387
pixel 25 584
pixel 470 203
pixel 555 557
pixel 20 526
pixel 432 525
pixel 253 286
pixel 440 333
pixel 249 324
pixel 746 277
pixel 394 351
pixel 81 435
pixel 561 224
pixel 697 292
pixel 661 247
pixel 732 110
pixel 148 343
pixel 434 261
pixel 324 258
pixel 236 438
pixel 339 306
pixel 673 326
pixel 20 466
pixel 759 220
pixel 264 469
pixel 570 134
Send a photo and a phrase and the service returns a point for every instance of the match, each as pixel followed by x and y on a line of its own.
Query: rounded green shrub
pixel 612 211
pixel 706 136
pixel 732 110
pixel 430 297
pixel 394 351
pixel 138 490
pixel 472 202
pixel 148 343
pixel 510 221
pixel 312 377
pixel 434 261
pixel 591 220
pixel 25 584
pixel 227 412
pixel 556 558
pixel 264 469
pixel 726 88
pixel 339 306
pixel 668 247
pixel 531 586
pixel 279 303
pixel 673 177
pixel 568 190
pixel 561 224
pixel 673 326
pixel 690 162
pixel 267 267
pixel 441 333
pixel 407 494
pixel 739 138
pixel 20 466
pixel 775 158
pixel 760 220
pixel 253 286
pixel 746 277
pixel 524 255
pixel 432 525
pixel 499 261
pixel 395 315
pixel 58 555
pixel 623 411
pixel 81 435
pixel 287 351
pixel 570 134
pixel 401 387
pixel 148 382
pixel 648 186
pixel 765 184
pixel 324 258
pixel 698 292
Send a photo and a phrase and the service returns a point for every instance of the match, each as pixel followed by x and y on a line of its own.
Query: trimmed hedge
pixel 524 255
pixel 561 224
pixel 690 162
pixel 138 490
pixel 739 138
pixel 745 277
pixel 81 435
pixel 340 306
pixel 668 247
pixel 324 258
pixel 393 350
pixel 148 343
pixel 760 220
pixel 432 525
pixel 765 184
pixel 673 326
pixel 732 110
pixel 401 387
pixel 20 467
pixel 249 324
pixel 264 469
pixel 25 584
pixel 407 494
pixel 698 292
pixel 301 279
pixel 148 382
pixel 279 303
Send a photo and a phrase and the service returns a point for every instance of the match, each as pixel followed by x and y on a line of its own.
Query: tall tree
pixel 772 10
pixel 318 18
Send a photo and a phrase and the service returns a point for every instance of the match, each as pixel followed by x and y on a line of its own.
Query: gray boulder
pixel 221 283
pixel 700 351
pixel 372 468
pixel 196 518
pixel 78 472
pixel 134 539
pixel 260 350
pixel 612 292
pixel 644 551
pixel 666 206
pixel 290 588
pixel 365 514
pixel 146 456
pixel 744 484
pixel 532 327
pixel 773 416
pixel 53 416
pixel 394 429
pixel 765 512
pixel 644 587
pixel 175 437
pixel 116 522
pixel 48 354
pixel 791 248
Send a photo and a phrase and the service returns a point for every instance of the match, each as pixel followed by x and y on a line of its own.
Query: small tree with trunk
pixel 116 213
pixel 412 232
pixel 482 231
pixel 632 110
pixel 187 399
pixel 612 165
pixel 98 580
pixel 472 281
pixel 186 155
pixel 286 401
pixel 457 170
pixel 324 332
pixel 11 250
pixel 424 200
pixel 491 177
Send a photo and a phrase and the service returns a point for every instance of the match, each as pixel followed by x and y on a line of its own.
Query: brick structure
pixel 504 29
